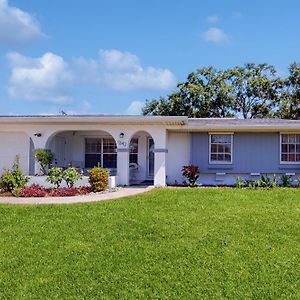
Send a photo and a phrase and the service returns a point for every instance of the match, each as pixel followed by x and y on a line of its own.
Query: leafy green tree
pixel 45 158
pixel 206 93
pixel 289 107
pixel 255 90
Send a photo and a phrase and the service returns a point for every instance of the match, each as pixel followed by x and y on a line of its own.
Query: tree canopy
pixel 249 91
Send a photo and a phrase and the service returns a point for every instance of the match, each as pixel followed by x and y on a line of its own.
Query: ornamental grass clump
pixel 191 173
pixel 98 179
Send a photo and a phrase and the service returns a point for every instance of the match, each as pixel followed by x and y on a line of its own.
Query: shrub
pixel 71 176
pixel 45 158
pixel 98 179
pixel 55 176
pixel 68 192
pixel 274 183
pixel 34 190
pixel 251 184
pixel 286 181
pixel 16 192
pixel 239 183
pixel 191 173
pixel 265 181
pixel 13 179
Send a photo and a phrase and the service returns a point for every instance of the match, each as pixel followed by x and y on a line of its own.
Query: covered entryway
pixel 141 159
pixel 84 150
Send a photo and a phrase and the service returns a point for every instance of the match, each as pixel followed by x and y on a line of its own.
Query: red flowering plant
pixel 191 173
pixel 36 190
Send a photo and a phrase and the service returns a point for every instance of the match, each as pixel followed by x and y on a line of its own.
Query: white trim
pixel 280 151
pixel 221 132
pixel 209 150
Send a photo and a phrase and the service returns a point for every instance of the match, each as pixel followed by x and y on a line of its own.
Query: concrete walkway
pixel 119 193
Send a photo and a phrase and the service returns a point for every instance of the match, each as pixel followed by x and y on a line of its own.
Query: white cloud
pixel 215 35
pixel 45 79
pixel 135 108
pixel 51 79
pixel 17 26
pixel 123 71
pixel 212 19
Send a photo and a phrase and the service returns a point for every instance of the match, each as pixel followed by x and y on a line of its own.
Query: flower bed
pixel 36 190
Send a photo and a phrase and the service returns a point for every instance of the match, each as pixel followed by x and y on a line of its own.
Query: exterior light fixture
pixel 38 134
pixel 121 135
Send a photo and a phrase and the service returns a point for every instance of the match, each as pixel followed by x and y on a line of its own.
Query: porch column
pixel 160 166
pixel 39 142
pixel 123 166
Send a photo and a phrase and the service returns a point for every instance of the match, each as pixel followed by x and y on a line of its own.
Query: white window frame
pixel 214 162
pixel 282 162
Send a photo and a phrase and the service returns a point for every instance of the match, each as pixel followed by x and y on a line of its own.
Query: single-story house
pixel 144 148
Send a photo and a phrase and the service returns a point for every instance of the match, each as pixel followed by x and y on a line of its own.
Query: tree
pixel 289 107
pixel 255 90
pixel 45 158
pixel 204 94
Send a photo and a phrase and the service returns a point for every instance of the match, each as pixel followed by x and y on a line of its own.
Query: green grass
pixel 166 244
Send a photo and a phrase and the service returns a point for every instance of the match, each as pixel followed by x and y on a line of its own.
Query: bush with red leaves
pixel 36 190
pixel 191 173
pixel 67 192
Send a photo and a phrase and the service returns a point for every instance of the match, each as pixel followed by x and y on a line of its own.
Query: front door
pixel 150 156
pixel 60 151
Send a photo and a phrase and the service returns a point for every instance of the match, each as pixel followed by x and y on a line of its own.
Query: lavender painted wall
pixel 252 153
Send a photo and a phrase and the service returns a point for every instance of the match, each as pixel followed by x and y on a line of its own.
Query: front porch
pixel 87 149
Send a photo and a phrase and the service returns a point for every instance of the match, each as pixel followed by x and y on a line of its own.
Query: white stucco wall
pixel 42 131
pixel 179 150
pixel 12 144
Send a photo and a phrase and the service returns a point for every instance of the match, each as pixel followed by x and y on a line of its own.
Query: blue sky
pixel 108 57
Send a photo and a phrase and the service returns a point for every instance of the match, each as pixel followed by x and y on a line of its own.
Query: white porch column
pixel 160 153
pixel 39 142
pixel 123 166
pixel 160 166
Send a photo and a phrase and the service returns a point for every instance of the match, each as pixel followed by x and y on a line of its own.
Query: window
pixel 134 150
pixel 109 159
pixel 220 148
pixel 100 152
pixel 290 148
pixel 92 153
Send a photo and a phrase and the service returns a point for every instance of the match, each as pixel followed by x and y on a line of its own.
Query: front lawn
pixel 209 243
